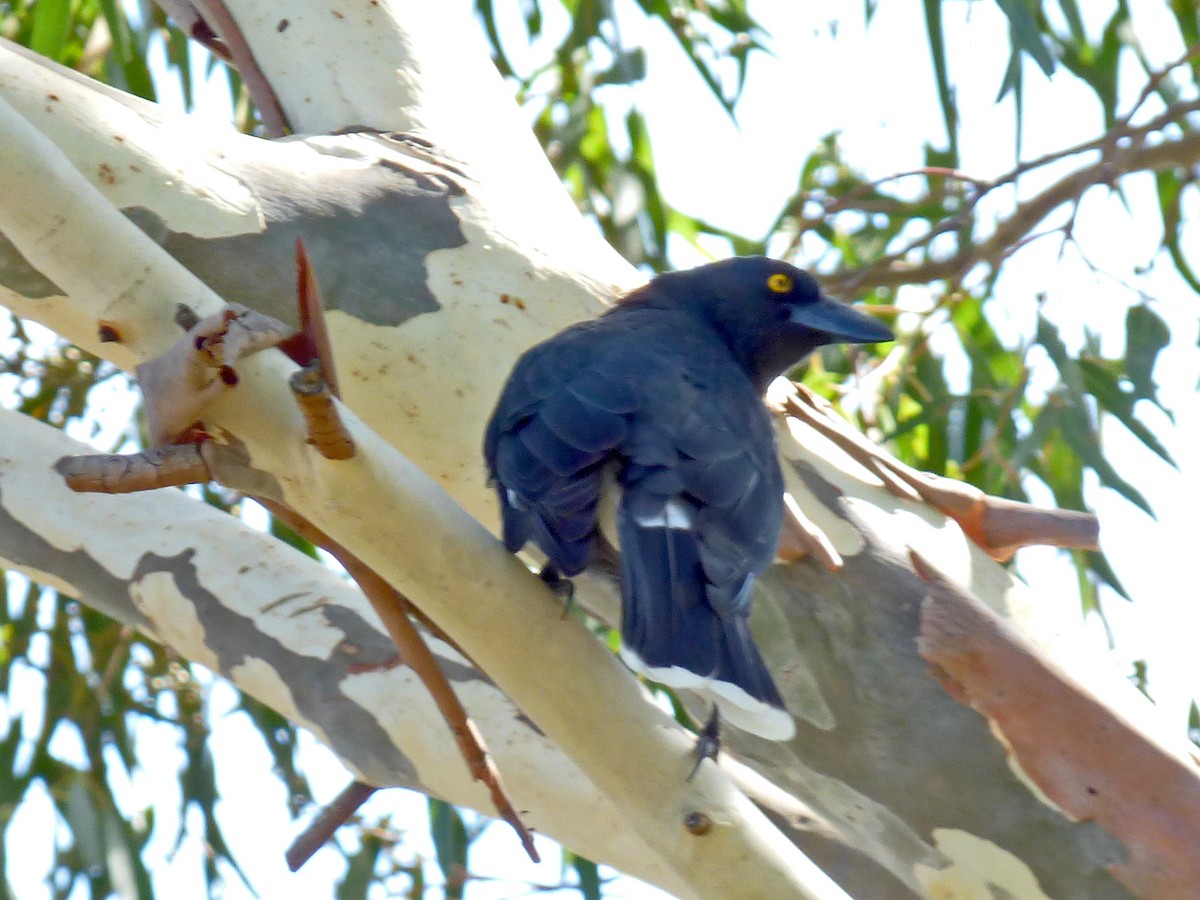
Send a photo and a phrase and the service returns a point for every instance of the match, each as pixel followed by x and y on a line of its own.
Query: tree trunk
pixel 443 251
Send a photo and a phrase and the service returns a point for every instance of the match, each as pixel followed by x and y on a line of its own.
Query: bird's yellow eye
pixel 779 283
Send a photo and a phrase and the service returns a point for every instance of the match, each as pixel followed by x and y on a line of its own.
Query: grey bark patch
pixel 20 277
pixel 899 738
pixel 106 592
pixel 352 731
pixel 368 231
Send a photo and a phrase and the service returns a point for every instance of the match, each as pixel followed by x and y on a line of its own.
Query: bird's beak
pixel 844 324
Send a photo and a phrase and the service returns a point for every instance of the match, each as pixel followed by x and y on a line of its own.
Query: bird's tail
pixel 672 634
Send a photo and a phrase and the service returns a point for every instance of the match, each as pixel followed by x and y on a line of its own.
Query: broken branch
pixel 115 473
pixel 331 817
pixel 999 526
pixel 324 425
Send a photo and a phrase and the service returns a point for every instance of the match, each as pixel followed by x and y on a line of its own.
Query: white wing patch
pixel 674 515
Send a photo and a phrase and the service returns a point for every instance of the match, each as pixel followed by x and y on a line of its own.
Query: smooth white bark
pixel 450 566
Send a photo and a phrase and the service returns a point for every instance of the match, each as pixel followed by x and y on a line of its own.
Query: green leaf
pixel 1083 439
pixel 1099 564
pixel 629 67
pixel 1025 34
pixel 1146 334
pixel 451 843
pixel 1089 594
pixel 1170 190
pixel 1111 398
pixel 126 61
pixel 937 51
pixel 1070 10
pixel 51 25
pixel 589 876
pixel 486 13
pixel 1068 369
pixel 360 873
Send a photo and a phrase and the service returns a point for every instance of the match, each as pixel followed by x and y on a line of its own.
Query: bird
pixel 656 407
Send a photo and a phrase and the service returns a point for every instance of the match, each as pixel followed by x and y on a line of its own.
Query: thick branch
pixel 639 758
pixel 210 587
pixel 1092 764
pixel 999 526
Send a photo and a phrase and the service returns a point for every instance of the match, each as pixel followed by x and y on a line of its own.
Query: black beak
pixel 844 324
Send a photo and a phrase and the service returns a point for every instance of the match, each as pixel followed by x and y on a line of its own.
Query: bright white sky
pixel 877 88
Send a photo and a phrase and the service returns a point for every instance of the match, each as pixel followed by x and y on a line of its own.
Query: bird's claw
pixel 708 741
pixel 562 586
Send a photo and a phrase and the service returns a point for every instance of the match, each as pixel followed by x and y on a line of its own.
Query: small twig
pixel 1011 396
pixel 114 473
pixel 315 385
pixel 1159 77
pixel 326 431
pixel 331 817
pixel 1124 149
pixel 833 205
pixel 115 665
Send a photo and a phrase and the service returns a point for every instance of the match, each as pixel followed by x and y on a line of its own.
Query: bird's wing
pixel 561 418
pixel 699 519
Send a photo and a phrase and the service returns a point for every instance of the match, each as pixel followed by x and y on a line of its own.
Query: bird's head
pixel 770 314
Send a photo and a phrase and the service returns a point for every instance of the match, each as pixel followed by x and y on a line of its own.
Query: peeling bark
pixel 1091 764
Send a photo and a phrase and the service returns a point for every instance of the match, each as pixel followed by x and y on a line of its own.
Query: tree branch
pixel 293 634
pixel 999 526
pixel 1122 153
pixel 639 758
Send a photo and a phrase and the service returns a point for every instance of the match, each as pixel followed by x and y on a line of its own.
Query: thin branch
pixel 833 205
pixel 888 272
pixel 219 19
pixel 999 526
pixel 392 608
pixel 1124 150
pixel 333 816
pixel 1158 77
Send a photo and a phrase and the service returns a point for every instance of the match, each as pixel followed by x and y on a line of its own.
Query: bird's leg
pixel 708 741
pixel 562 586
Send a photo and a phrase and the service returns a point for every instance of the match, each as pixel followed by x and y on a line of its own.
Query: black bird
pixel 663 393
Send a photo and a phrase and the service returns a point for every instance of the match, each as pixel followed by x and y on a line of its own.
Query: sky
pixel 828 73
